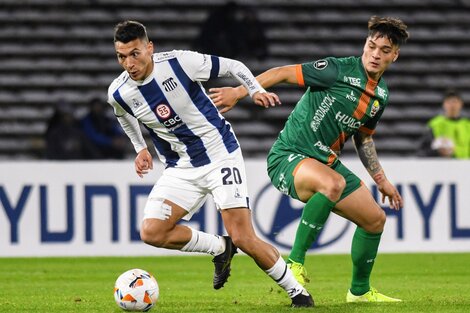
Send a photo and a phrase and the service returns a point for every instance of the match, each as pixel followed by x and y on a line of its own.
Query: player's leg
pixel 361 208
pixel 238 224
pixel 319 187
pixel 160 229
pixel 171 200
pixel 228 184
pixel 166 233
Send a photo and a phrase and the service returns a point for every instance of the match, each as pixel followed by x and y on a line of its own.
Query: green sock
pixel 363 252
pixel 314 216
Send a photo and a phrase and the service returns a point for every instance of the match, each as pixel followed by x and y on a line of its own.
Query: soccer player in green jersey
pixel 345 97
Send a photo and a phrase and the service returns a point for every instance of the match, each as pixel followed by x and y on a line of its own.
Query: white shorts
pixel 225 180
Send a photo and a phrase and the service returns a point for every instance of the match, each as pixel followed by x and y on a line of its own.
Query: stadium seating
pixel 53 50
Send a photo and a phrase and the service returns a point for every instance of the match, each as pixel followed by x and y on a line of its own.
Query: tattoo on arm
pixel 368 156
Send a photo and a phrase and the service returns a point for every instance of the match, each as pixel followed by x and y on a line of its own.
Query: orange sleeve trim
pixel 299 75
pixel 298 166
pixel 331 159
pixel 366 130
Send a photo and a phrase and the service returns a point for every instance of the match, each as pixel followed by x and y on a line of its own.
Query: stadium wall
pixel 95 208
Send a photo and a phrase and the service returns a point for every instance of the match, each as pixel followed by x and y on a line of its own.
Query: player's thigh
pixel 160 224
pixel 300 176
pixel 172 199
pixel 238 223
pixel 311 176
pixel 227 182
pixel 362 209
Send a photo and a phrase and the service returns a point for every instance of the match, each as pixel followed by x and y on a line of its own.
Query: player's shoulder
pixel 348 63
pixel 438 119
pixel 118 82
pixel 168 55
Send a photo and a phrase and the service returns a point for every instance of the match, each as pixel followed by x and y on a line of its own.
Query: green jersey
pixel 340 100
pixel 456 130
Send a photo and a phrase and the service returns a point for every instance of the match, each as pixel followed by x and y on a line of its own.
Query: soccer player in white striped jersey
pixel 163 92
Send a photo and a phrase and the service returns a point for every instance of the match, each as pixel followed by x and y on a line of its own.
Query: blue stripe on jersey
pixel 205 106
pixel 122 103
pixel 215 67
pixel 163 147
pixel 194 145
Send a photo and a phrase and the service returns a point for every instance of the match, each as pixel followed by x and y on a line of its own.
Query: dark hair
pixel 130 30
pixel 451 93
pixel 392 28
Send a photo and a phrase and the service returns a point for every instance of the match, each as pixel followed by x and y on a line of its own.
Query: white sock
pixel 282 275
pixel 204 242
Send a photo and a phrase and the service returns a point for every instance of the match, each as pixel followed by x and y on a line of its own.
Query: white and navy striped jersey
pixel 184 124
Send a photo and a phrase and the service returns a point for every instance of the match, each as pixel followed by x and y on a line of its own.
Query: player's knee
pixel 152 236
pixel 376 225
pixel 333 187
pixel 245 243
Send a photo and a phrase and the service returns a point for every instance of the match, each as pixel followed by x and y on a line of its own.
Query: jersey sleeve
pixel 202 67
pixel 318 74
pixel 129 124
pixel 198 66
pixel 118 110
pixel 239 71
pixel 370 125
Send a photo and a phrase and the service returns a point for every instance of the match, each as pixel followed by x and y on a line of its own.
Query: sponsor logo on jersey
pixel 294 156
pixel 136 103
pixel 353 81
pixel 169 84
pixel 320 64
pixel 163 56
pixel 163 111
pixel 323 147
pixel 320 113
pixel 348 120
pixel 167 117
pixel 381 92
pixel 285 216
pixel 351 96
pixel 282 184
pixel 375 108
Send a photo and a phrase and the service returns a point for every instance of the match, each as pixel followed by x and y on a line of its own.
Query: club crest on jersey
pixel 320 64
pixel 169 84
pixel 375 108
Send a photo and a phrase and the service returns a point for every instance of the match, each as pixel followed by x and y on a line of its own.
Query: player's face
pixel 379 53
pixel 452 107
pixel 135 57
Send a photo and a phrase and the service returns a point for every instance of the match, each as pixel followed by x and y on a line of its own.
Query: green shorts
pixel 281 167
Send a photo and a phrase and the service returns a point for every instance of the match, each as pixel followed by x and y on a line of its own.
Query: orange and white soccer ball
pixel 136 290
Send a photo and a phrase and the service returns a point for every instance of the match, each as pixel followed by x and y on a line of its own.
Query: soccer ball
pixel 136 290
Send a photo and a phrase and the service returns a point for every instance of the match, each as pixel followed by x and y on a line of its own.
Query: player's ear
pixel 150 47
pixel 397 53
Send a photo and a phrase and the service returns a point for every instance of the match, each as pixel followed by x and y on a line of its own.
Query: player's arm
pixel 143 161
pixel 250 85
pixel 367 153
pixel 227 97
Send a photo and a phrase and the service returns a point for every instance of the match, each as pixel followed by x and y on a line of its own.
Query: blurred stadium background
pixel 62 50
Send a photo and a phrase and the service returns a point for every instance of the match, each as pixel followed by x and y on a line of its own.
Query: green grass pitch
pixel 426 283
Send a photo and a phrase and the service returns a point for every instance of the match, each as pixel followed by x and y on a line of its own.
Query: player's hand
pixel 224 98
pixel 143 162
pixel 266 99
pixel 391 193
